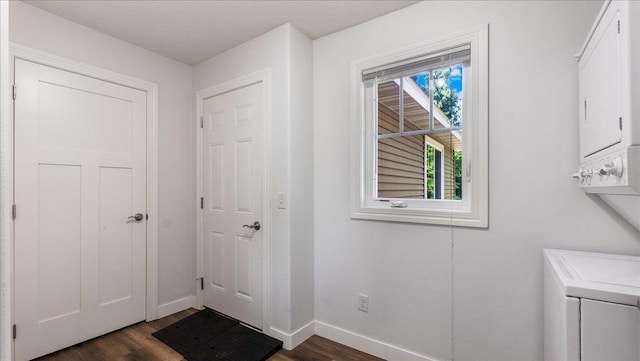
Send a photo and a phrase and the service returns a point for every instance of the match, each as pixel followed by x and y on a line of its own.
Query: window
pixel 421 130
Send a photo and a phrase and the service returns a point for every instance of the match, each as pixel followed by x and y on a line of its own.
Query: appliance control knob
pixel 613 167
pixel 578 175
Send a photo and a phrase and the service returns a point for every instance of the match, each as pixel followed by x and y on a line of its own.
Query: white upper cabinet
pixel 602 73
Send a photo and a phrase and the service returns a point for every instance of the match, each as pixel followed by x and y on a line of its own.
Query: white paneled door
pixel 233 157
pixel 80 173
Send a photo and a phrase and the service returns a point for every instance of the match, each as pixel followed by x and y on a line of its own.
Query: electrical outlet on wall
pixel 363 302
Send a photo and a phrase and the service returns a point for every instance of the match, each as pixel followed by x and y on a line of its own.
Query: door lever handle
pixel 255 225
pixel 138 217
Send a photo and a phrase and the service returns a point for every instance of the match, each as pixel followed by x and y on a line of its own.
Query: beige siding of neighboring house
pixel 400 160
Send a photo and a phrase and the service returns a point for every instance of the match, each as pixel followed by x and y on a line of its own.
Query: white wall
pixel 287 53
pixel 301 179
pixel 41 30
pixel 472 294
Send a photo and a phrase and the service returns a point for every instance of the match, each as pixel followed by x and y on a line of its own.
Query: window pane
pixel 457 161
pixel 448 168
pixel 400 159
pixel 416 102
pixel 430 171
pixel 437 174
pixel 447 96
pixel 389 107
pixel 401 166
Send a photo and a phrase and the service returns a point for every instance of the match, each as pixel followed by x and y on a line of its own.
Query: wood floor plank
pixel 135 343
pixel 317 348
pixel 141 333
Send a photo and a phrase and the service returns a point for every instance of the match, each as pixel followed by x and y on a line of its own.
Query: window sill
pixel 422 216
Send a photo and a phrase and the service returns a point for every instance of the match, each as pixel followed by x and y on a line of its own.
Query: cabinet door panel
pixel 600 72
pixel 609 331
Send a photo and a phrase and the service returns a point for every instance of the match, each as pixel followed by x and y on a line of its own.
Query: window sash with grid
pixel 429 63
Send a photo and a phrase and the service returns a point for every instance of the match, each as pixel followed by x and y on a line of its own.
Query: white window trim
pixel 473 210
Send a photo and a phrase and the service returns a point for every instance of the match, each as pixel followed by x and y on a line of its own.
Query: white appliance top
pixel 597 276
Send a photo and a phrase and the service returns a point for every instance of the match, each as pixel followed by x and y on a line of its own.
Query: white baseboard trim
pixel 172 307
pixel 292 340
pixel 368 345
pixel 302 334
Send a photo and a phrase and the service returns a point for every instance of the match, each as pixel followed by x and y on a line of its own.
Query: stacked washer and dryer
pixel 592 301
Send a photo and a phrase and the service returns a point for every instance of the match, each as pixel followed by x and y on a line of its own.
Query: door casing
pixel 151 89
pixel 264 77
pixel 6 193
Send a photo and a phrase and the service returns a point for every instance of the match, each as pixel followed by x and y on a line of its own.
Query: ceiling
pixel 192 31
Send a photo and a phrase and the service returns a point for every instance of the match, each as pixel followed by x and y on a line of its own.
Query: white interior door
pixel 233 157
pixel 80 149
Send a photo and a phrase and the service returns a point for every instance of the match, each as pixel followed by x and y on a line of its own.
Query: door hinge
pixel 201 202
pixel 201 283
pixel 15 331
pixel 13 211
pixel 15 92
pixel 201 122
pixel 620 123
pixel 618 26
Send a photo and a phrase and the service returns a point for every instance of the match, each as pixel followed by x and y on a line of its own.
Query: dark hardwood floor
pixel 135 343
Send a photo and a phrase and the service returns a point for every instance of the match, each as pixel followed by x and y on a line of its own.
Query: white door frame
pixel 6 193
pixel 264 77
pixel 17 51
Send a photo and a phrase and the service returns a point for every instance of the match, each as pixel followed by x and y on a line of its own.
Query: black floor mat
pixel 239 343
pixel 189 333
pixel 209 336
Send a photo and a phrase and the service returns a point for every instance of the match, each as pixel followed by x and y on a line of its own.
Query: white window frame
pixel 472 210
